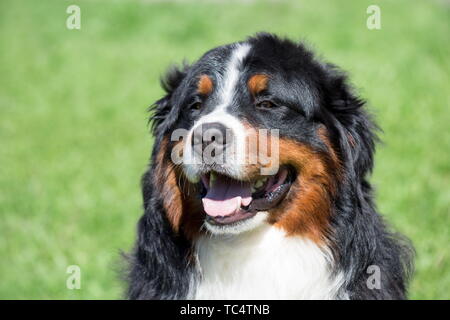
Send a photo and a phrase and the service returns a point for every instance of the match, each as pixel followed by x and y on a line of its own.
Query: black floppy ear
pixel 161 117
pixel 159 265
pixel 355 127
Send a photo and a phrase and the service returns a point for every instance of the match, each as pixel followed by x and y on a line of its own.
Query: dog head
pixel 257 132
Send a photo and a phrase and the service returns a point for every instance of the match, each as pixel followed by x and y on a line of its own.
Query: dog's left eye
pixel 266 104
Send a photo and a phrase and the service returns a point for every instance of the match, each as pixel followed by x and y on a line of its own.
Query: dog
pixel 297 221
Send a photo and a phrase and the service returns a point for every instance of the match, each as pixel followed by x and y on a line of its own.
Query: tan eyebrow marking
pixel 204 85
pixel 257 83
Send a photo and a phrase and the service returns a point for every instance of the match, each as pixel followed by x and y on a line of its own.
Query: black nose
pixel 212 137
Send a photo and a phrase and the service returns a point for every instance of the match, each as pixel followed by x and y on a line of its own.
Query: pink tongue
pixel 225 196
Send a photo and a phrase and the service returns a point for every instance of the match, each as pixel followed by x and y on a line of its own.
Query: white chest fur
pixel 264 264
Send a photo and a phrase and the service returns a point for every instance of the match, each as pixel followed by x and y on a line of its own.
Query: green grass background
pixel 74 136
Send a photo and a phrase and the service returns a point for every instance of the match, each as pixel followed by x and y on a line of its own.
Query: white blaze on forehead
pixel 231 77
pixel 226 90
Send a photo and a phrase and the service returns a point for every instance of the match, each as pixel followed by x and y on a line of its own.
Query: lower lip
pixel 240 215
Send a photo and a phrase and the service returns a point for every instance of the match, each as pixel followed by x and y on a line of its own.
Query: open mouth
pixel 227 200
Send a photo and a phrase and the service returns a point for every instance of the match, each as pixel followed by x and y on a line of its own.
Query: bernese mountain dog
pixel 257 186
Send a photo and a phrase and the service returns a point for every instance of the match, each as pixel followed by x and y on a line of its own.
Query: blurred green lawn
pixel 74 136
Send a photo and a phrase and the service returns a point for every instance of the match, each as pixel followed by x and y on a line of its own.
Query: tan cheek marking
pixel 306 210
pixel 258 150
pixel 257 83
pixel 204 85
pixel 184 211
pixel 251 150
pixel 166 182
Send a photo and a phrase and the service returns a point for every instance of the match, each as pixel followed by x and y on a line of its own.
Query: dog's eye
pixel 265 104
pixel 196 106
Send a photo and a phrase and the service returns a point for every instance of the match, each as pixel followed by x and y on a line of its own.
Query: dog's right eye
pixel 196 106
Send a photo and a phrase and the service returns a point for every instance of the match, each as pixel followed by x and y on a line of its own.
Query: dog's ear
pixel 159 266
pixel 161 117
pixel 356 131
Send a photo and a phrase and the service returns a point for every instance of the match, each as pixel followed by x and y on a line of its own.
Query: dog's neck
pixel 264 264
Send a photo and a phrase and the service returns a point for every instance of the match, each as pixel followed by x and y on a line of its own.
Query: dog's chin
pixel 250 223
